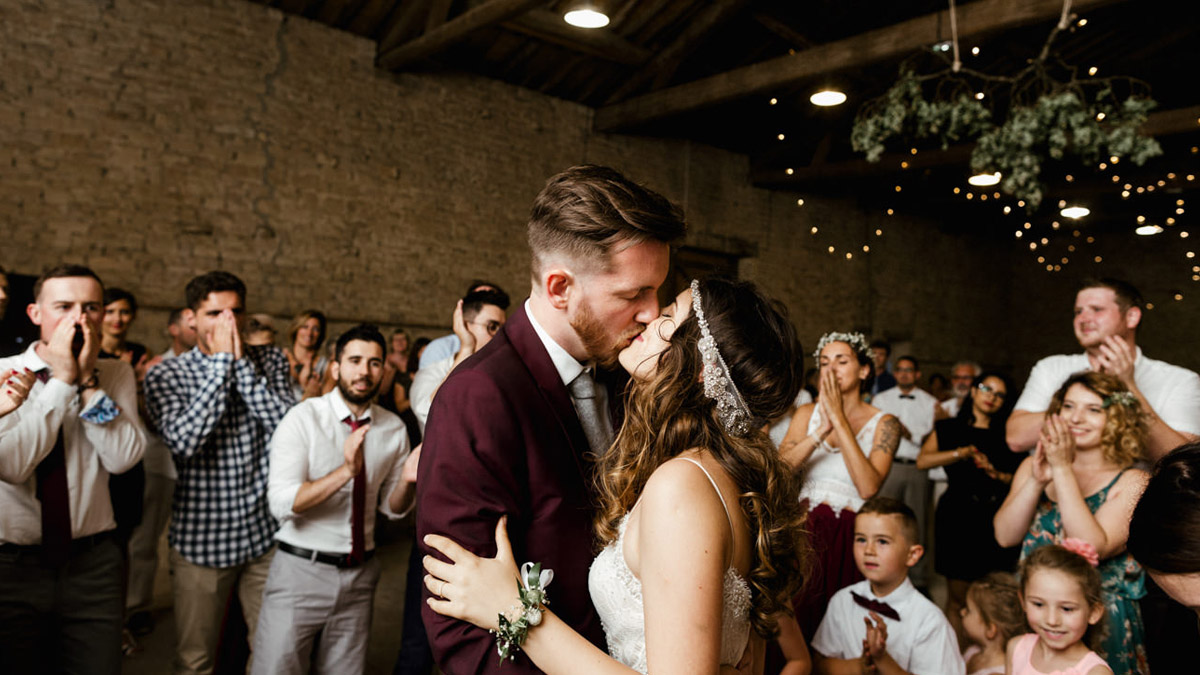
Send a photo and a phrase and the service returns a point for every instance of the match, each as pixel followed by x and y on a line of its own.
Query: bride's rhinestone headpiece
pixel 856 341
pixel 718 384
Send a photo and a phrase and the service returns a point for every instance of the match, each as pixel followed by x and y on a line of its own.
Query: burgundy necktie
pixel 357 550
pixel 52 491
pixel 878 606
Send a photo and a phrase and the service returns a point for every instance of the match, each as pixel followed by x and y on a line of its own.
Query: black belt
pixel 901 460
pixel 335 559
pixel 78 545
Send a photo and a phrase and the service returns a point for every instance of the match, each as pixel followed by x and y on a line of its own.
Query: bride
pixel 699 520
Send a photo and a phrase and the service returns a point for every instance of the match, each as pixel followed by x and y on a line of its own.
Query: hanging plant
pixel 1050 115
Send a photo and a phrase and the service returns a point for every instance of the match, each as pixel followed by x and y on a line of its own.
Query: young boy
pixel 883 625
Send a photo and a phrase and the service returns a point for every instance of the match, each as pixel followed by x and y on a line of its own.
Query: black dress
pixel 967 548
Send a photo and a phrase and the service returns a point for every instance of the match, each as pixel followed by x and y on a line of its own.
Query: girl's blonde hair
pixel 1055 557
pixel 1123 428
pixel 999 601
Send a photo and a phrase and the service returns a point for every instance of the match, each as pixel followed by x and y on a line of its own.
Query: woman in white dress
pixel 699 518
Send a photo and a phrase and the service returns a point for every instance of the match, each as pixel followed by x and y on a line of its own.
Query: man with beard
pixel 334 460
pixel 961 376
pixel 512 429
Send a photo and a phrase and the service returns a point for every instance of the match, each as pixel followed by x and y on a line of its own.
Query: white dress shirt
pixel 307 446
pixel 915 413
pixel 91 451
pixel 568 368
pixel 1173 392
pixel 921 642
pixel 425 384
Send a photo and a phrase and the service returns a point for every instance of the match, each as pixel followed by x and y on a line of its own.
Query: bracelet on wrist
pixel 531 588
pixel 91 382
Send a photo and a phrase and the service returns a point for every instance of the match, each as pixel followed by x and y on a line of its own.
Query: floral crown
pixel 718 383
pixel 1125 398
pixel 856 341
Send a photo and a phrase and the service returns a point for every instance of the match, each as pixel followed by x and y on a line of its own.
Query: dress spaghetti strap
pixel 719 495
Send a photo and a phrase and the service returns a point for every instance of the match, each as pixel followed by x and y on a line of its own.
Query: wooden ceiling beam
pixel 547 26
pixel 1163 123
pixel 439 11
pixel 785 71
pixel 457 29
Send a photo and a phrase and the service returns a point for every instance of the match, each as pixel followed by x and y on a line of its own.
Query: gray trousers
pixel 62 620
pixel 143 543
pixel 912 486
pixel 307 602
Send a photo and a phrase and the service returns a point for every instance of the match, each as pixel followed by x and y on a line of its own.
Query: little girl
pixel 991 616
pixel 1060 591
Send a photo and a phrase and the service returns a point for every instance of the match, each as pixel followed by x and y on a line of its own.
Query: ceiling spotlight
pixel 828 97
pixel 1147 230
pixel 586 16
pixel 943 46
pixel 1075 211
pixel 984 179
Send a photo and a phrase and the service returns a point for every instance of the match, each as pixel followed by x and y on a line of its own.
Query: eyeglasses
pixel 905 369
pixel 994 392
pixel 492 327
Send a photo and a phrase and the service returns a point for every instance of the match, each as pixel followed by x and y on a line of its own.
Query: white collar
pixel 566 365
pixel 340 408
pixel 31 360
pixel 898 596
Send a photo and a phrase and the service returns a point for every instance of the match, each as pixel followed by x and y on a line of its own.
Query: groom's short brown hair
pixel 585 211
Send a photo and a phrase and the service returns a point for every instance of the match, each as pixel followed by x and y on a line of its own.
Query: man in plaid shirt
pixel 216 407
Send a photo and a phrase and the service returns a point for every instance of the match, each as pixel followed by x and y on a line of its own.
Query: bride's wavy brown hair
pixel 668 413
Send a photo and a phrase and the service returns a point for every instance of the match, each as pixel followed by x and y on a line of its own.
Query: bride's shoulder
pixel 685 483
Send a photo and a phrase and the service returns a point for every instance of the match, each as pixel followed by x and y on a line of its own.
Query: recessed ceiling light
pixel 586 18
pixel 984 179
pixel 1147 230
pixel 1075 211
pixel 828 97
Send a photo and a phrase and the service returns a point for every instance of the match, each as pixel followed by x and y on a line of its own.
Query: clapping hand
pixel 14 389
pixel 1117 358
pixel 471 588
pixel 352 449
pixel 831 397
pixel 875 644
pixel 225 337
pixel 1041 467
pixel 1057 442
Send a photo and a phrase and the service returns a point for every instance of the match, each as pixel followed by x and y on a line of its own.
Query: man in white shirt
pixel 477 318
pixel 61 592
pixel 1107 315
pixel 961 376
pixel 334 460
pixel 914 407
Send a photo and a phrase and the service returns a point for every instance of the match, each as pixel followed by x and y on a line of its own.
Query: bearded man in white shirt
pixel 1107 315
pixel 334 460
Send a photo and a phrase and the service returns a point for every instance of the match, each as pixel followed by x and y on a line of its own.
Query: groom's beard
pixel 601 346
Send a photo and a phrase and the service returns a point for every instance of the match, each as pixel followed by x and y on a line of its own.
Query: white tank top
pixel 826 478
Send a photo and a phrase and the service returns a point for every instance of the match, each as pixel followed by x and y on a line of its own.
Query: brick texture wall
pixel 154 140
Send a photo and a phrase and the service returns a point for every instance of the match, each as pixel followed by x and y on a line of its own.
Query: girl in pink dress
pixel 1060 591
pixel 991 616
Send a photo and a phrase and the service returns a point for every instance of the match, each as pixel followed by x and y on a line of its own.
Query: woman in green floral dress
pixel 1079 484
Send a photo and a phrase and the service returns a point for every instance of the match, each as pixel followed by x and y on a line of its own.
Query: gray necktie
pixel 593 419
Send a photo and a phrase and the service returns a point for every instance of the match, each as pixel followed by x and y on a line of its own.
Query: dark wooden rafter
pixel 370 16
pixel 550 27
pixel 1163 123
pixel 667 61
pixel 335 12
pixel 459 28
pixel 789 35
pixel 403 23
pixel 908 36
pixel 439 11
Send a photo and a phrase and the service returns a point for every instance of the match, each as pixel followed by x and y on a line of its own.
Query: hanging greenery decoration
pixel 1051 112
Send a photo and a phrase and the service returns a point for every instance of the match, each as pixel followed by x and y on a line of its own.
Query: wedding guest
pixel 844 448
pixel 883 380
pixel 260 330
pixel 1080 483
pixel 962 378
pixel 216 407
pixel 305 337
pixel 939 387
pixel 335 460
pixel 14 389
pixel 61 569
pixel 120 311
pixel 979 468
pixel 448 345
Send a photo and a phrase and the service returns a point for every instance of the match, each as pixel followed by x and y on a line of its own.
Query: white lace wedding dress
pixel 617 596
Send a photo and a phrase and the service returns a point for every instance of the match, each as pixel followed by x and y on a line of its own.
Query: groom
pixel 511 429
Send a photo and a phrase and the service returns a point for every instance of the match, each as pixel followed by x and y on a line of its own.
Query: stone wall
pixel 154 140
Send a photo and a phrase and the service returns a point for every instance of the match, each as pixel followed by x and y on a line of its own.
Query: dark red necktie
pixel 357 547
pixel 878 606
pixel 52 491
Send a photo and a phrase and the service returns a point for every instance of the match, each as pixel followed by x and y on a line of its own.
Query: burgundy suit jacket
pixel 503 438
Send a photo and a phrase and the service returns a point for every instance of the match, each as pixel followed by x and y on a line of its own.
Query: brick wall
pixel 154 140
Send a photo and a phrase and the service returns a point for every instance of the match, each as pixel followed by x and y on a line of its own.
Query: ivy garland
pixel 1048 117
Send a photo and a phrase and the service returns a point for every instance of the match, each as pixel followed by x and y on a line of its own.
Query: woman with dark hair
pixel 702 533
pixel 120 310
pixel 1080 483
pixel 305 337
pixel 979 469
pixel 844 447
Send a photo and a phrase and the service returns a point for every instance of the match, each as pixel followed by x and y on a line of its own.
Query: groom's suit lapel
pixel 529 347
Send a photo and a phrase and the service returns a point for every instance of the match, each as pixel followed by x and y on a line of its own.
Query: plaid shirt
pixel 217 415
